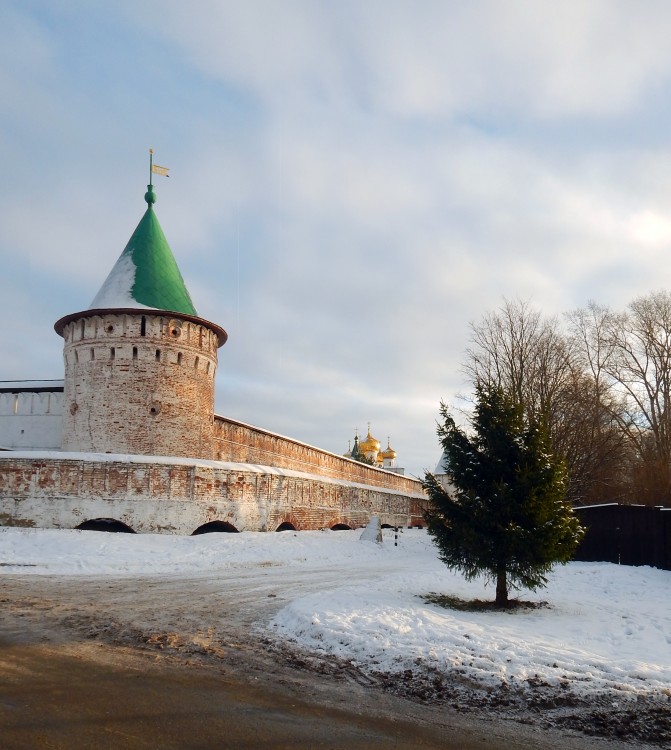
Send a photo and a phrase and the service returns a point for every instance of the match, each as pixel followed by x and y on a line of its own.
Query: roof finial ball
pixel 150 195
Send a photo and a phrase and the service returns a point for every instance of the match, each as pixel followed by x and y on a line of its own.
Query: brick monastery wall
pixel 140 384
pixel 242 443
pixel 139 387
pixel 178 496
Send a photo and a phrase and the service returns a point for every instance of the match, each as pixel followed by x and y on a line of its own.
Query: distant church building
pixel 129 438
pixel 370 450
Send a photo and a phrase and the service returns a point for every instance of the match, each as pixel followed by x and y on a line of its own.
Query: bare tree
pixel 518 350
pixel 545 371
pixel 525 354
pixel 588 435
pixel 602 451
pixel 635 356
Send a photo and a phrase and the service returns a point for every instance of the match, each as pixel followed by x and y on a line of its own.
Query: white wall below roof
pixel 31 421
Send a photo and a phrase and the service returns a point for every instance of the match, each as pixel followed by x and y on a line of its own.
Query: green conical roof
pixel 146 274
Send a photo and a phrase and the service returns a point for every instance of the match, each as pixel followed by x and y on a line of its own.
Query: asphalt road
pixel 128 663
pixel 72 702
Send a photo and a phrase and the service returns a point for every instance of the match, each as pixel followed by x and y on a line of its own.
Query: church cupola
pixel 139 362
pixel 388 457
pixel 370 447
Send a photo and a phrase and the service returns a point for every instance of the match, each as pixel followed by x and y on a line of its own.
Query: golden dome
pixel 389 452
pixel 370 444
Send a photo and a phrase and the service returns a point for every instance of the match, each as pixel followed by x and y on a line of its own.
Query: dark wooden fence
pixel 626 534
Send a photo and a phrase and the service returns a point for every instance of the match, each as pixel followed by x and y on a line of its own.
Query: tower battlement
pixel 139 382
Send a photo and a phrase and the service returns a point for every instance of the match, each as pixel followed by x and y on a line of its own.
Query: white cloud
pixel 351 183
pixel 649 228
pixel 434 59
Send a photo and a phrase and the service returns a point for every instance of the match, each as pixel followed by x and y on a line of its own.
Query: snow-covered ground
pixel 607 627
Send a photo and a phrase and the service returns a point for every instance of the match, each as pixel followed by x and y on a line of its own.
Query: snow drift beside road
pixel 606 627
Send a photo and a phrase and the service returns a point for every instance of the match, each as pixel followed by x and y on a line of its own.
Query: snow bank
pixel 606 626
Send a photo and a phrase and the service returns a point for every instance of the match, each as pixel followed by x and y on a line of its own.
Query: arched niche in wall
pixel 105 524
pixel 214 527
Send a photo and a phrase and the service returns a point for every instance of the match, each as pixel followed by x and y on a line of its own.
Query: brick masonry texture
pixel 179 497
pixel 139 384
pixel 242 443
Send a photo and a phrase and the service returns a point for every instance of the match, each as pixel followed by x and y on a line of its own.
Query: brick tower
pixel 140 363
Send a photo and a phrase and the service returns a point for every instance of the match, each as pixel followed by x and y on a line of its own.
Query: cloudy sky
pixel 351 183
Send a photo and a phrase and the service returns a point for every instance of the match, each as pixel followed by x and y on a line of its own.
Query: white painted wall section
pixel 31 420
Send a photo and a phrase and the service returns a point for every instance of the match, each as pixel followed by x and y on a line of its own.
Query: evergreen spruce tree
pixel 504 515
